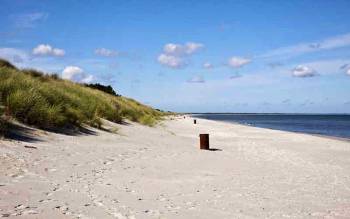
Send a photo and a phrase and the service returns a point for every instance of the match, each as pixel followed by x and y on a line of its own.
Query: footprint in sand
pixel 45 200
pixel 31 211
pixel 64 209
pixel 154 213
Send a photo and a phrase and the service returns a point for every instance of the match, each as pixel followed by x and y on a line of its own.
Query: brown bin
pixel 204 141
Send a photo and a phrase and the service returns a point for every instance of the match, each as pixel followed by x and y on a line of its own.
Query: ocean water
pixel 328 125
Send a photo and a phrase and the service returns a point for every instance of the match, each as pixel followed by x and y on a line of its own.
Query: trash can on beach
pixel 204 141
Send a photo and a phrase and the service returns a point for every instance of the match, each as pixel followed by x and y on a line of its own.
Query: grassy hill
pixel 46 101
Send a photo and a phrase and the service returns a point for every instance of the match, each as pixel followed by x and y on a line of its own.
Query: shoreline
pixel 159 172
pixel 296 132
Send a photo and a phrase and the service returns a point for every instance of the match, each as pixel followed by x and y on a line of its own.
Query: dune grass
pixel 48 102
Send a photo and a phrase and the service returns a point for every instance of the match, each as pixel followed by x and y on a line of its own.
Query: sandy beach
pixel 159 172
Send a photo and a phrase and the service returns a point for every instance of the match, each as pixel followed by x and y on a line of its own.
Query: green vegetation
pixel 5 63
pixel 46 101
pixel 107 89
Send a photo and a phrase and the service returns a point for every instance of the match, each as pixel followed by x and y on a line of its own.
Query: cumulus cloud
pixel 348 72
pixel 328 66
pixel 75 73
pixel 180 50
pixel 176 55
pixel 173 49
pixel 196 79
pixel 87 79
pixel 28 20
pixel 238 62
pixel 171 61
pixel 208 65
pixel 47 50
pixel 193 47
pixel 303 71
pixel 106 52
pixel 70 71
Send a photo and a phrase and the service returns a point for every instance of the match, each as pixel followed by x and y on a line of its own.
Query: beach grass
pixel 46 101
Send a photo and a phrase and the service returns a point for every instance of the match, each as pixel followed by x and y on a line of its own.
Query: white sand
pixel 145 172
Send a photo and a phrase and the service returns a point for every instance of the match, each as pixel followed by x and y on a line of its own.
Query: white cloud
pixel 196 79
pixel 13 55
pixel 193 47
pixel 176 55
pixel 76 74
pixel 28 20
pixel 23 59
pixel 327 66
pixel 173 49
pixel 70 71
pixel 106 52
pixel 302 48
pixel 58 52
pixel 348 72
pixel 87 79
pixel 207 65
pixel 237 62
pixel 180 50
pixel 303 71
pixel 171 61
pixel 47 50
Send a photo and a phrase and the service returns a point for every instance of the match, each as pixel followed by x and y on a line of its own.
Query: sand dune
pixel 144 172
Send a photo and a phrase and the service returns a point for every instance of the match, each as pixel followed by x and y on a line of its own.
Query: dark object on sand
pixel 31 147
pixel 195 121
pixel 204 141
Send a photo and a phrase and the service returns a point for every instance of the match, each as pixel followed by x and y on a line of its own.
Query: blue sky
pixel 191 56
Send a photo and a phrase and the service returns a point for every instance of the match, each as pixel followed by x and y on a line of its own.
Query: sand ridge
pixel 159 172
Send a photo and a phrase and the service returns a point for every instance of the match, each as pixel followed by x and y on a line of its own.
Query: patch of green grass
pixel 46 101
pixel 148 120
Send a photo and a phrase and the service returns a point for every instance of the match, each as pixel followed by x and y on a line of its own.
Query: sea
pixel 333 125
